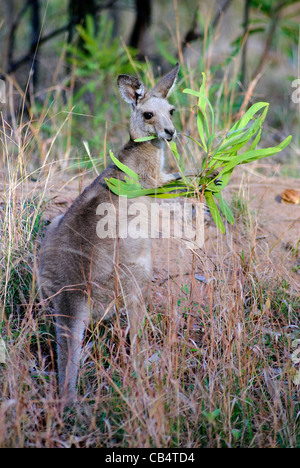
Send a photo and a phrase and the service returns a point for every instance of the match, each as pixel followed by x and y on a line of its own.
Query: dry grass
pixel 219 371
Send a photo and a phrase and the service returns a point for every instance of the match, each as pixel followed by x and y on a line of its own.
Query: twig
pixel 248 96
pixel 35 28
pixel 263 59
pixel 13 66
pixel 171 277
pixel 11 35
pixel 265 54
pixel 193 35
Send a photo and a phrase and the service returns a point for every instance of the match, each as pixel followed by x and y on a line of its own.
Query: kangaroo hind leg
pixel 70 327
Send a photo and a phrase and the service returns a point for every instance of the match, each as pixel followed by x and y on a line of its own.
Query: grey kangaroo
pixel 89 277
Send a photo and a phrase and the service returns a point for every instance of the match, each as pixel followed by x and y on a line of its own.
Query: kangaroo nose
pixel 169 131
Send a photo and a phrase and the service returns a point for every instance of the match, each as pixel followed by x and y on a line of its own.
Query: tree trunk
pixel 78 10
pixel 35 34
pixel 138 37
pixel 244 76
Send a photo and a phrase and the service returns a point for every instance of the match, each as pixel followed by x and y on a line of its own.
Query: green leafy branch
pixel 221 156
pixel 131 187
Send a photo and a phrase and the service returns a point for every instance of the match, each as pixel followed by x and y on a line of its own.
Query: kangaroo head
pixel 151 113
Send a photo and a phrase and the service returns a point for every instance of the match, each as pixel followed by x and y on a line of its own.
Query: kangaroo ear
pixel 131 89
pixel 165 85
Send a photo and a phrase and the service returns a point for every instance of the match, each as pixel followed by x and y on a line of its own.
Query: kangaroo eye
pixel 172 111
pixel 148 115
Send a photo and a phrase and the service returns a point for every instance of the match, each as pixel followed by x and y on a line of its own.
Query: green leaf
pixel 123 167
pixel 256 140
pixel 214 211
pixel 233 142
pixel 200 126
pixel 202 120
pixel 212 113
pixel 210 140
pixel 197 142
pixel 225 208
pixel 249 115
pixel 148 138
pixel 253 155
pixel 212 415
pixel 236 433
pixel 132 182
pixel 224 180
pixel 131 189
pixel 198 94
pixel 242 135
pixel 175 151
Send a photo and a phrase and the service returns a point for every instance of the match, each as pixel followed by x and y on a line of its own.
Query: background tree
pixel 138 38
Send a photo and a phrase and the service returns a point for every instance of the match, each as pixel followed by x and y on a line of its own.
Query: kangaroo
pixel 87 277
